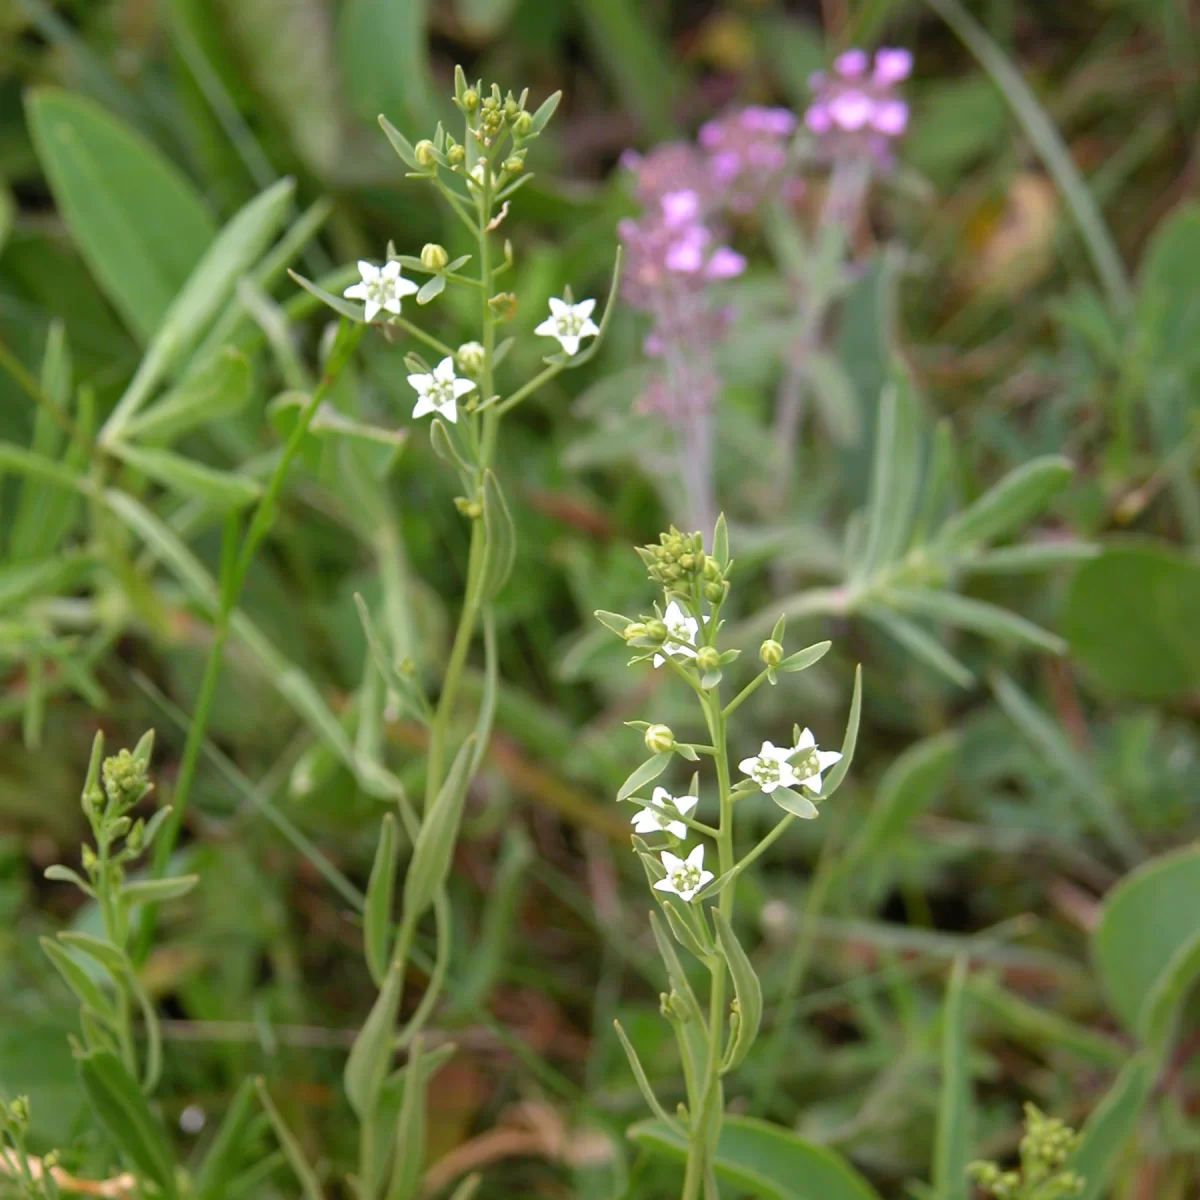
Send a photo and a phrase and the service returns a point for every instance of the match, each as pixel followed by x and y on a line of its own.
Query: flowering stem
pixel 532 386
pixel 744 694
pixel 421 336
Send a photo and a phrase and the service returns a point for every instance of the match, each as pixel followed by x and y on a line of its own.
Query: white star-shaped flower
pixel 770 768
pixel 657 815
pixel 382 288
pixel 810 761
pixel 440 391
pixel 682 628
pixel 685 876
pixel 569 323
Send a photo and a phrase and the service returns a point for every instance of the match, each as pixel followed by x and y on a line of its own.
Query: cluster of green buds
pixel 114 786
pixel 678 562
pixel 1045 1149
pixel 14 1117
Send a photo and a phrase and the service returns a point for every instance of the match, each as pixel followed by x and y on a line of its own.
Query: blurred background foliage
pixel 1017 785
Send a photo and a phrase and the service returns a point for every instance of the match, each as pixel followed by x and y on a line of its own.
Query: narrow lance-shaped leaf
pixel 155 891
pixel 639 1075
pixel 377 917
pixel 218 390
pixel 220 489
pixel 501 539
pixel 1113 1121
pixel 88 992
pixel 952 1148
pixel 963 612
pixel 650 770
pixel 371 1055
pixel 747 991
pixel 803 659
pixel 223 1159
pixel 410 1130
pixel 305 1175
pixel 118 1102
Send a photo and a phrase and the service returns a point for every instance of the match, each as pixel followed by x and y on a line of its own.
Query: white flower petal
pixel 405 287
pixel 569 342
pixel 696 858
pixel 391 271
pixel 369 271
pixel 392 304
pixel 705 876
pixel 685 804
pixel 826 759
pixel 671 862
pixel 462 387
pixel 665 885
pixel 659 660
pixel 748 766
pixel 558 307
pixel 444 371
pixel 422 383
pixel 659 796
pixel 676 829
pixel 813 783
pixel 372 310
pixel 548 328
pixel 584 308
pixel 449 410
pixel 806 742
pixel 589 329
pixel 356 291
pixel 424 407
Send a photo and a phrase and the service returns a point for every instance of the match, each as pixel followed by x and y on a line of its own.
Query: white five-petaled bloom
pixel 381 288
pixel 683 629
pixel 657 815
pixel 770 768
pixel 440 391
pixel 685 876
pixel 810 761
pixel 569 323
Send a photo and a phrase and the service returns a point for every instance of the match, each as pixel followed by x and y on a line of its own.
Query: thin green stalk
pixel 233 577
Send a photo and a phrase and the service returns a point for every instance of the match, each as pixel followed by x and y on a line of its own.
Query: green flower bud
pixel 711 570
pixel 514 164
pixel 659 739
pixel 491 103
pixel 771 652
pixel 137 835
pixel 471 509
pixel 433 256
pixel 714 593
pixel 456 155
pixel 124 779
pixel 471 357
pixel 425 154
pixel 523 125
pixel 88 858
pixel 657 631
pixel 635 629
pixel 512 110
pixel 470 100
pixel 18 1113
pixel 708 658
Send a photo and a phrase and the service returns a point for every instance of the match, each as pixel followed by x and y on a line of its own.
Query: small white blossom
pixel 810 761
pixel 440 391
pixel 470 357
pixel 770 768
pixel 683 629
pixel 657 815
pixel 569 323
pixel 685 877
pixel 382 288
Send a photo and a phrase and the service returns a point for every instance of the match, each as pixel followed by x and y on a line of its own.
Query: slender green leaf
pixel 109 955
pixel 952 1145
pixel 978 616
pixel 220 489
pixel 639 1075
pixel 922 645
pixel 1033 556
pixel 156 891
pixel 218 389
pixel 86 989
pixel 118 1103
pixel 377 917
pixel 747 991
pixel 1161 1007
pixel 841 768
pixel 371 1055
pixel 765 1161
pixel 305 1175
pixel 1109 1128
pixel 501 539
pixel 796 803
pixel 1010 504
pixel 224 1156
pixel 139 224
pixel 410 1130
pixel 803 659
pixel 346 308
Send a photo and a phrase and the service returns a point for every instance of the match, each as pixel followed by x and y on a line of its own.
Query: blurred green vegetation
pixel 1033 261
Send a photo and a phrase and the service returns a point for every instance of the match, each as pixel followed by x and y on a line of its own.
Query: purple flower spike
pixel 686 256
pixel 725 165
pixel 818 119
pixel 852 110
pixel 852 64
pixel 890 118
pixel 892 66
pixel 725 264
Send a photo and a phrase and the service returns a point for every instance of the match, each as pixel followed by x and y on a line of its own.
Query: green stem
pixel 744 694
pixel 233 577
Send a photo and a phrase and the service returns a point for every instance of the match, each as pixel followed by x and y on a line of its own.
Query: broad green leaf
pixel 220 489
pixel 377 917
pixel 217 390
pixel 139 224
pixel 430 863
pixel 1166 303
pixel 978 616
pixel 952 1144
pixel 501 539
pixel 223 1159
pixel 765 1161
pixel 747 991
pixel 86 989
pixel 431 289
pixel 651 769
pixel 1010 504
pixel 1130 620
pixel 1148 919
pixel 371 1055
pixel 234 251
pixel 908 786
pixel 305 1175
pixel 121 1108
pixel 1110 1127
